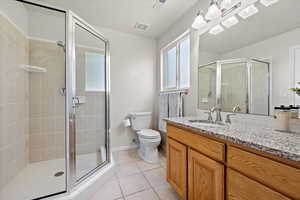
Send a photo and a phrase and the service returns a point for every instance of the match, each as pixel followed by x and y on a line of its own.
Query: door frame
pixel 292 51
pixel 71 21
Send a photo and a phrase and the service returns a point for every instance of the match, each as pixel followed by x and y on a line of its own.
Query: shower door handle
pixel 78 100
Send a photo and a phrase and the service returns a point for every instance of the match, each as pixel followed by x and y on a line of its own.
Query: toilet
pixel 149 139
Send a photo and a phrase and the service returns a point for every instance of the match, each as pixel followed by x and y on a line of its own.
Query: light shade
pixel 268 2
pixel 213 12
pixel 216 30
pixel 248 12
pixel 231 21
pixel 226 4
pixel 199 22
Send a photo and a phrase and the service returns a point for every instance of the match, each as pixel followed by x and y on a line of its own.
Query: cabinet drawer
pixel 211 148
pixel 277 176
pixel 243 188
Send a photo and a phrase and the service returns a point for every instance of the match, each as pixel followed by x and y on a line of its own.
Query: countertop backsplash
pixel 249 122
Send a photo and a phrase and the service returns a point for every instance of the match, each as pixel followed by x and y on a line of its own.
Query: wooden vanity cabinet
pixel 177 167
pixel 200 167
pixel 241 187
pixel 205 177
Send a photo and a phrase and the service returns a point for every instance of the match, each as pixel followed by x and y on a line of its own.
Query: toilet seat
pixel 148 134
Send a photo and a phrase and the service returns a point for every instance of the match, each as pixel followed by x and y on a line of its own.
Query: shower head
pixel 61 44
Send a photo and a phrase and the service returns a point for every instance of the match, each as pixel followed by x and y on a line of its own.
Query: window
pixel 95 71
pixel 176 65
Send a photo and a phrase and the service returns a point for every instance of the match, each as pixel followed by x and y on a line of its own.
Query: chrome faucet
pixel 234 110
pixel 218 114
pixel 209 115
pixel 228 119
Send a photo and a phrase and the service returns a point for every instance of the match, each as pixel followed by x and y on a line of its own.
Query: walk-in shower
pixel 243 83
pixel 54 103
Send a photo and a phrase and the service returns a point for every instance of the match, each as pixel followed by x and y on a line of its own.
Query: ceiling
pixel 122 15
pixel 270 21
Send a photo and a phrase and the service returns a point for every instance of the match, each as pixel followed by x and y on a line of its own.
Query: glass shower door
pixel 234 85
pixel 90 99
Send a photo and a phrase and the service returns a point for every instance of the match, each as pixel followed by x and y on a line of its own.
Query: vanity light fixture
pixel 248 12
pixel 214 12
pixel 231 21
pixel 222 10
pixel 199 21
pixel 216 30
pixel 267 3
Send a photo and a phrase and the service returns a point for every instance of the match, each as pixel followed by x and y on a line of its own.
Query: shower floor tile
pixel 37 179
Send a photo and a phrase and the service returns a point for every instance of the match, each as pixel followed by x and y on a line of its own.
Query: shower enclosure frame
pixel 71 20
pixel 248 64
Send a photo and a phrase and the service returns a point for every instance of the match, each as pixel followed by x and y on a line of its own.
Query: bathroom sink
pixel 206 123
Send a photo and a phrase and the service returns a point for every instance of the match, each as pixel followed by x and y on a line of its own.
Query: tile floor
pixel 135 179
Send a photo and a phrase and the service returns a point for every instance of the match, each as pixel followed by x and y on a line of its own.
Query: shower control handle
pixel 78 100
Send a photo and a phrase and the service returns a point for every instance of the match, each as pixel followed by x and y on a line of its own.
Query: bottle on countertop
pixel 282 115
pixel 294 111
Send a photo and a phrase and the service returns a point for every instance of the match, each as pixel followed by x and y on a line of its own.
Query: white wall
pixel 277 48
pixel 133 80
pixel 16 12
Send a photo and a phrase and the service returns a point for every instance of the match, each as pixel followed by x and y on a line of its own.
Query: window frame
pixel 176 43
pixel 86 89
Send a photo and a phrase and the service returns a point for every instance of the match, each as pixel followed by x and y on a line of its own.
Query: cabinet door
pixel 242 188
pixel 177 167
pixel 206 178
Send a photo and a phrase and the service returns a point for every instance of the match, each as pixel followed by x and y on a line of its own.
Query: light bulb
pixel 216 30
pixel 213 12
pixel 268 2
pixel 248 12
pixel 231 21
pixel 199 22
pixel 226 4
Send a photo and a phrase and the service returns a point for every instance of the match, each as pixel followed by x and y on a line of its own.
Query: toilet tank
pixel 140 120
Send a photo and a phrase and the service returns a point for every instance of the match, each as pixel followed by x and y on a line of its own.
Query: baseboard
pixel 124 148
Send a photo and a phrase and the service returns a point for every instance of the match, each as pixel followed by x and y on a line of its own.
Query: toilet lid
pixel 148 133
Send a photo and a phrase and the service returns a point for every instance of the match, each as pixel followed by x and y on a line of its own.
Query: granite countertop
pixel 285 145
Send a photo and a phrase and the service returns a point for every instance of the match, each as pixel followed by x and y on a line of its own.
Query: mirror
pixel 253 64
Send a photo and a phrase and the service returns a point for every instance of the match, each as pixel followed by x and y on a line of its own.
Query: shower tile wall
pixel 90 116
pixel 47 103
pixel 14 101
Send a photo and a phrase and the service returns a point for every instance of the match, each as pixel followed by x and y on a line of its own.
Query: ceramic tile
pixel 156 177
pixel 144 195
pixel 126 169
pixel 144 166
pixel 133 184
pixel 109 191
pixel 166 192
pixel 126 156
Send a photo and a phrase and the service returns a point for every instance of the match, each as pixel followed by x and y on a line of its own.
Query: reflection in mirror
pixel 207 86
pixel 269 43
pixel 234 86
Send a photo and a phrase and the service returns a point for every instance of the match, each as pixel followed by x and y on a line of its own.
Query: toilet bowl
pixel 149 141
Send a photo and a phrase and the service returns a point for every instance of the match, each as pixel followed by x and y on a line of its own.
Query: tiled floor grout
pixel 151 186
pixel 122 193
pixel 142 172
